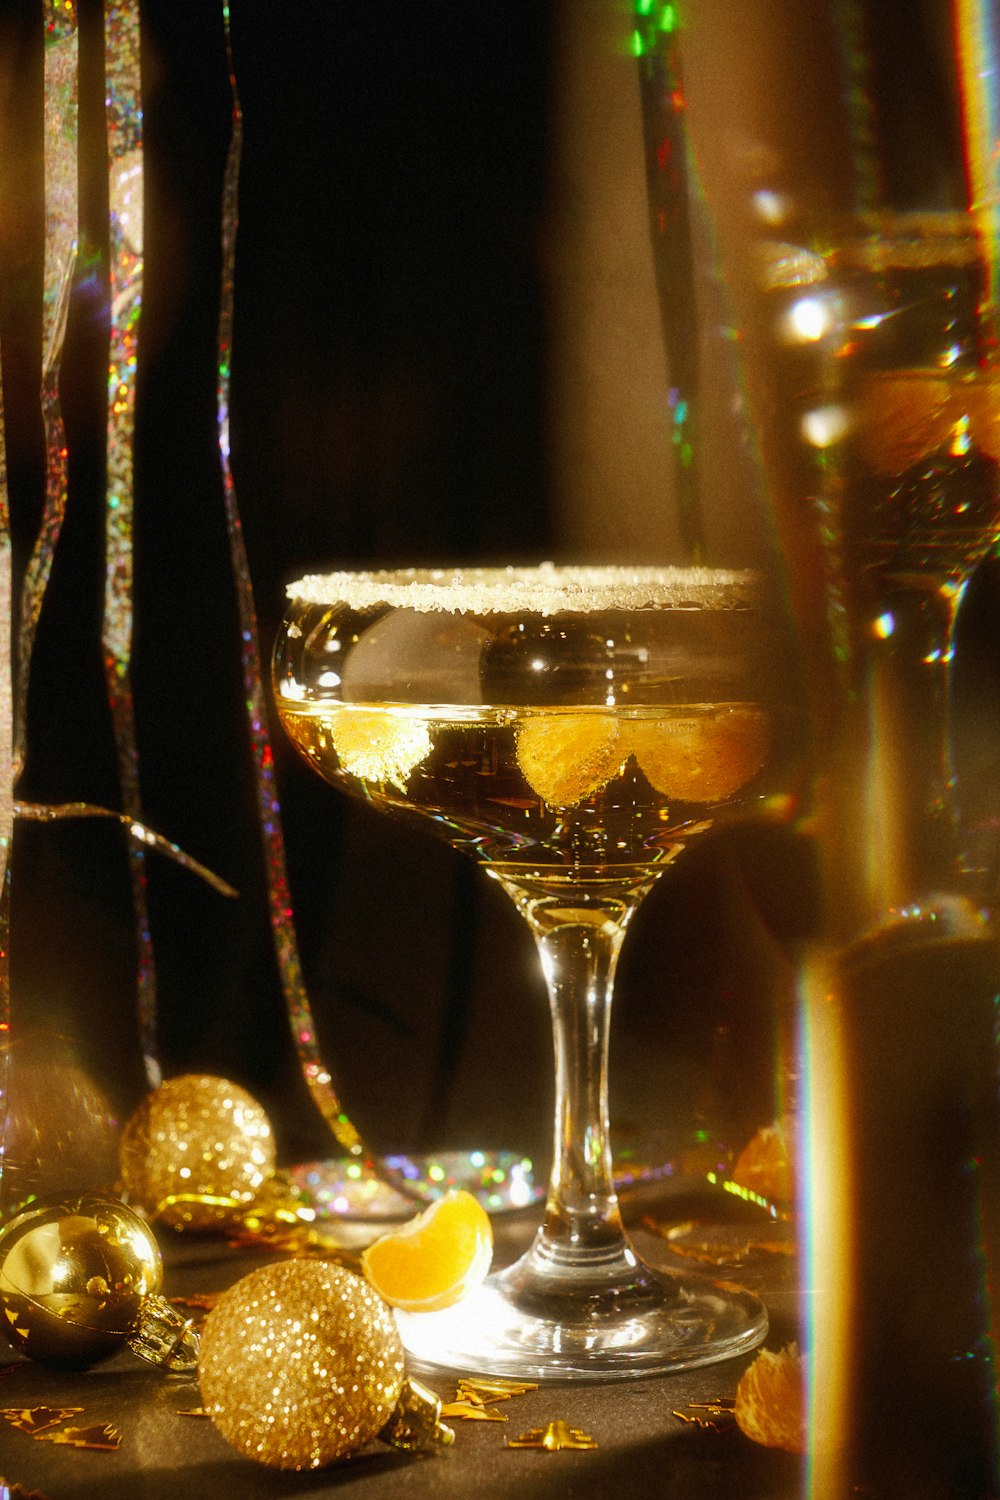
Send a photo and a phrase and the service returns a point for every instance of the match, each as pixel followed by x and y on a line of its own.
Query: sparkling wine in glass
pixel 573 729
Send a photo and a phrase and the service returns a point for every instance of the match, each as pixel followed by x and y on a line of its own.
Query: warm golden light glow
pixel 824 1191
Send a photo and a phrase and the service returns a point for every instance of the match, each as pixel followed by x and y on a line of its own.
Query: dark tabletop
pixel 643 1449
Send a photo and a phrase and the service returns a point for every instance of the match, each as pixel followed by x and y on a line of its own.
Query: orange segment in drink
pixel 434 1259
pixel 703 759
pixel 901 417
pixel 567 757
pixel 379 746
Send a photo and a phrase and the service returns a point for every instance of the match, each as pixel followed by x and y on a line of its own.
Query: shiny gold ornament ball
pixel 74 1274
pixel 300 1364
pixel 195 1149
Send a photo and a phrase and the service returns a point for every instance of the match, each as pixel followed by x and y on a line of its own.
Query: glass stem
pixel 579 932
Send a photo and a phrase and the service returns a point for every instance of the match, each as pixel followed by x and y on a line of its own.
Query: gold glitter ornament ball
pixel 195 1149
pixel 300 1364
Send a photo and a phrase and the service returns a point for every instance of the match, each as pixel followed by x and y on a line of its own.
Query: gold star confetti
pixel 719 1416
pixel 471 1411
pixel 495 1389
pixel 35 1419
pixel 101 1436
pixel 553 1435
pixel 16 1491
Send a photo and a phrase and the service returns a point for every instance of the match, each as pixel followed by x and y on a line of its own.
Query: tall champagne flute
pixel 852 189
pixel 573 729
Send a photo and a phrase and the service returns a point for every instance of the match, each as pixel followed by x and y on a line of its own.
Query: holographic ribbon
pixel 315 1073
pixel 6 782
pixel 123 119
pixel 672 184
pixel 977 48
pixel 147 838
pixel 61 230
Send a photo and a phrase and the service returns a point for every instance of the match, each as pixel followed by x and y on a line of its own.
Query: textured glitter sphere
pixel 193 1140
pixel 74 1275
pixel 300 1364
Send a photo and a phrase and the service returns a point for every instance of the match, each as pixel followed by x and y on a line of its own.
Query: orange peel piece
pixel 766 1165
pixel 566 758
pixel 707 758
pixel 770 1405
pixel 436 1258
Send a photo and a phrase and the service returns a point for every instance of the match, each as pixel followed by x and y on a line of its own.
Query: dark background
pixel 388 407
pixel 392 331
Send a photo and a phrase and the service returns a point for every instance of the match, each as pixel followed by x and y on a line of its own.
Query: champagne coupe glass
pixel 573 729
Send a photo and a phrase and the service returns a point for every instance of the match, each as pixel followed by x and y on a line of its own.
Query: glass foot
pixel 677 1321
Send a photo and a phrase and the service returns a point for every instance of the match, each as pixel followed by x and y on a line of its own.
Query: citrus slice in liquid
pixel 566 758
pixel 435 1258
pixel 901 417
pixel 375 745
pixel 703 759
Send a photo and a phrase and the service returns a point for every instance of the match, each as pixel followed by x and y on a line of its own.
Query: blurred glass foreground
pixel 825 228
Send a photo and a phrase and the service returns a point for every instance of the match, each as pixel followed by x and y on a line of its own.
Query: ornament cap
pixel 416 1421
pixel 164 1337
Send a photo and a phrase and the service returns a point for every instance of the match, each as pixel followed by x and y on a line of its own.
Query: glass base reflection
pixel 661 1322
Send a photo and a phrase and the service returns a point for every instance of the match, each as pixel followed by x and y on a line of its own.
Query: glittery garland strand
pixel 123 118
pixel 61 231
pixel 317 1076
pixel 6 784
pixel 43 812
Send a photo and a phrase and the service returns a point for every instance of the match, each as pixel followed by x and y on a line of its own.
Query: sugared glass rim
pixel 547 589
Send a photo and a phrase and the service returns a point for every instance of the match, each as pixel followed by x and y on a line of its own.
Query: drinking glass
pixel 843 155
pixel 572 729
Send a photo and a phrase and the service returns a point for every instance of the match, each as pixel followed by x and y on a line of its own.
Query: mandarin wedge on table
pixel 567 757
pixel 706 758
pixel 436 1258
pixel 770 1402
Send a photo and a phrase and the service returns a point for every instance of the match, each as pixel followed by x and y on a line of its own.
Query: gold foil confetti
pixel 553 1435
pixel 565 758
pixel 496 1388
pixel 101 1437
pixel 471 1411
pixel 36 1419
pixel 718 1416
pixel 192 1411
pixel 15 1491
pixel 471 1397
